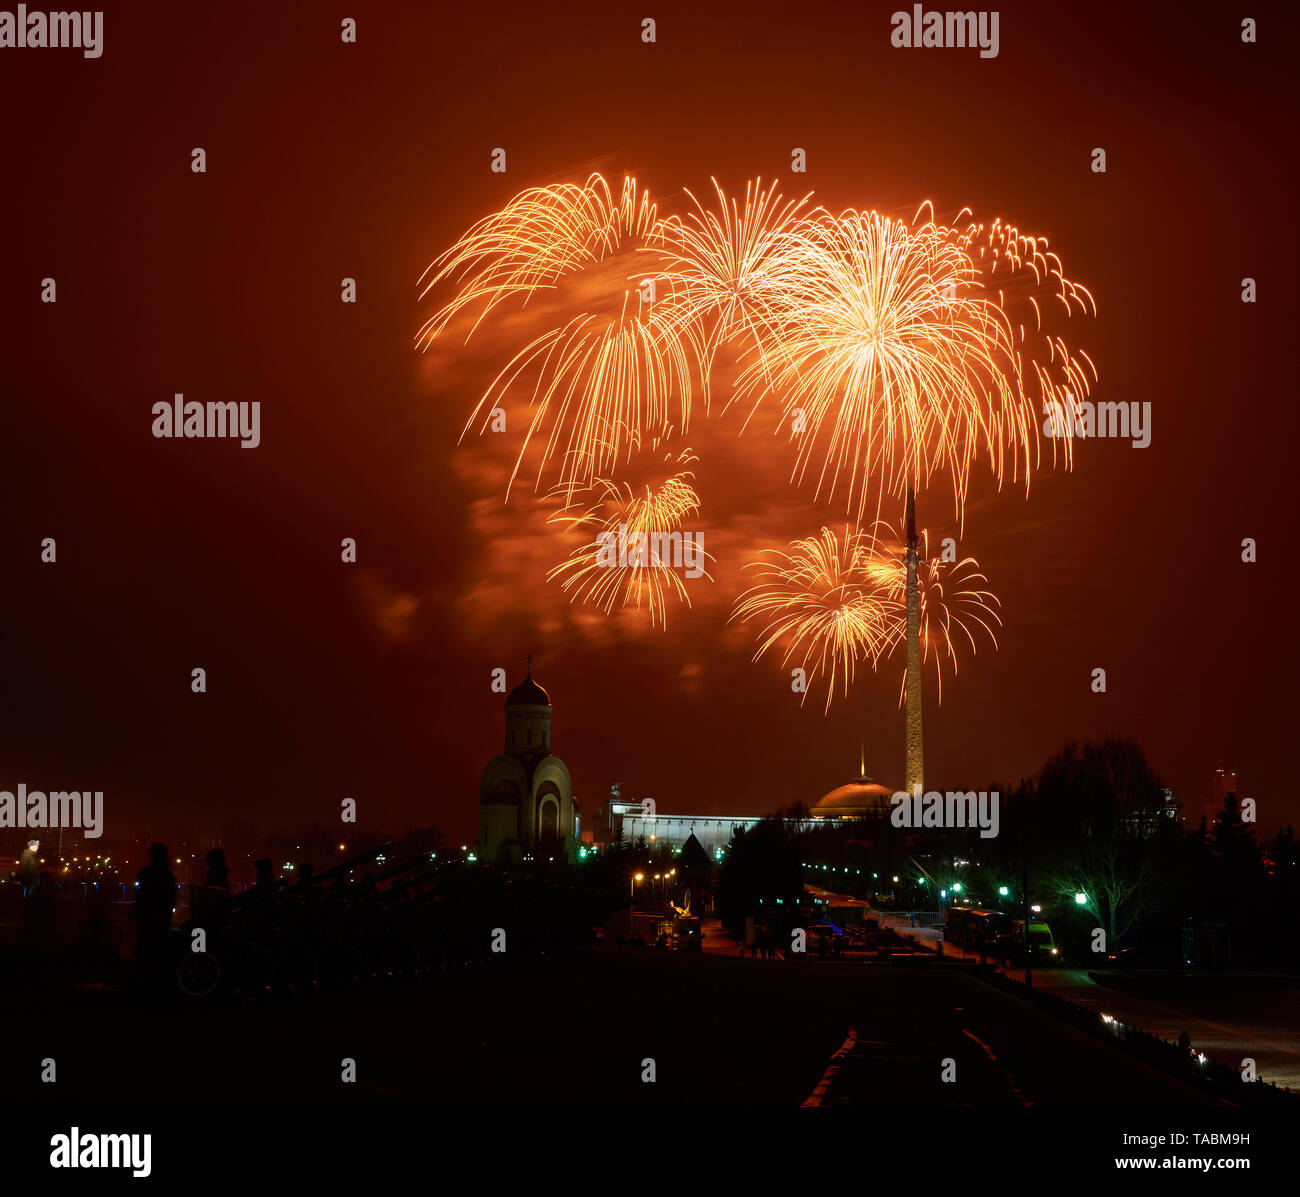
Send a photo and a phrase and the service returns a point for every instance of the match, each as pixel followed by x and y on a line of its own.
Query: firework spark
pixel 725 271
pixel 822 601
pixel 892 358
pixel 638 547
pixel 1029 278
pixel 957 607
pixel 605 384
pixel 541 236
pixel 837 602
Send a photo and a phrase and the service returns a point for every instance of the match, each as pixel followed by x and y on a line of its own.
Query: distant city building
pixel 1223 783
pixel 628 821
pixel 527 807
pixel 623 820
pixel 1145 821
pixel 526 802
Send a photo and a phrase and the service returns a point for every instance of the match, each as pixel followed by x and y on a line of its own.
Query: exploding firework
pixel 821 600
pixel 725 271
pixel 840 601
pixel 639 545
pixel 1033 292
pixel 892 358
pixel 896 352
pixel 957 608
pixel 604 384
pixel 537 239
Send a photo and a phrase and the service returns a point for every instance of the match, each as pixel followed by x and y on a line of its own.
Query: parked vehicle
pixel 1041 943
pixel 825 940
pixel 1158 957
pixel 983 928
pixel 954 927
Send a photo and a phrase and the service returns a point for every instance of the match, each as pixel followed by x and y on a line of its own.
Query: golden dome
pixel 857 799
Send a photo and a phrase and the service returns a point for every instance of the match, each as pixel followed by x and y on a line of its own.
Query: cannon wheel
pixel 198 973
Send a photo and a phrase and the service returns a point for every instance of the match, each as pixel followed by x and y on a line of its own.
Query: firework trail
pixel 541 236
pixel 837 601
pixel 725 271
pixel 891 357
pixel 957 606
pixel 1031 289
pixel 604 384
pixel 821 600
pixel 894 351
pixel 649 525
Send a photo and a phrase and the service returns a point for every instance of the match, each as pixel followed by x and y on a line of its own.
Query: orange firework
pixel 956 606
pixel 1032 290
pixel 604 383
pixel 537 239
pixel 639 545
pixel 821 601
pixel 840 601
pixel 725 270
pixel 892 358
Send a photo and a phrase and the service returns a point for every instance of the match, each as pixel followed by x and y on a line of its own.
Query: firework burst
pixel 638 547
pixel 957 608
pixel 725 270
pixel 892 359
pixel 604 384
pixel 1032 290
pixel 839 601
pixel 820 599
pixel 541 236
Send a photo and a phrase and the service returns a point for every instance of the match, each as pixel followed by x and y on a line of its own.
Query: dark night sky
pixel 327 160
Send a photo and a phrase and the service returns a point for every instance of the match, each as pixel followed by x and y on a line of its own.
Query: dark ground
pixel 574 1032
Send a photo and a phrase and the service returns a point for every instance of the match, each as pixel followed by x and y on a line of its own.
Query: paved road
pixel 721 1030
pixel 1229 1017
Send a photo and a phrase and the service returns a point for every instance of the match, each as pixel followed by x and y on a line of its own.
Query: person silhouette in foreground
pixel 29 868
pixel 216 887
pixel 155 900
pixel 264 886
pixel 218 872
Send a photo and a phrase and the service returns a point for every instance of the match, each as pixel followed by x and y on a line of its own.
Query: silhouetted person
pixel 264 886
pixel 218 872
pixel 29 868
pixel 155 899
pixel 216 887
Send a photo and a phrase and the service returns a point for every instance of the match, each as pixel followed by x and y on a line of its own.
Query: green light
pixel 1081 899
pixel 1003 891
pixel 956 888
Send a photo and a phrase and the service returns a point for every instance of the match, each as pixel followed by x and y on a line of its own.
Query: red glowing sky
pixel 366 161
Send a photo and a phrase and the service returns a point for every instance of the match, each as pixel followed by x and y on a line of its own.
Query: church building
pixel 526 802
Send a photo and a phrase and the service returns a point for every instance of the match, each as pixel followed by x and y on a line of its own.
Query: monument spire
pixel 915 766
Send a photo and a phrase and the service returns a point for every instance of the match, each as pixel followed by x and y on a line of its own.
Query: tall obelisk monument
pixel 915 771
